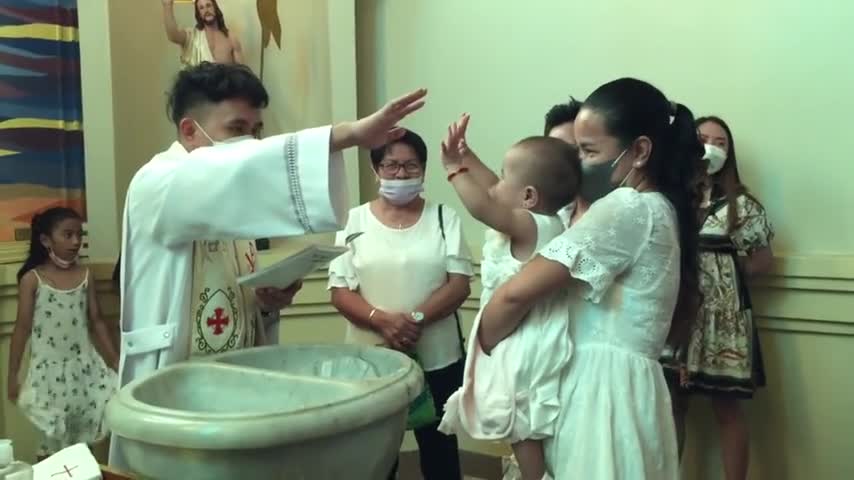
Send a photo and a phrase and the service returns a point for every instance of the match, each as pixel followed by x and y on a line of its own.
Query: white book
pixel 75 462
pixel 294 267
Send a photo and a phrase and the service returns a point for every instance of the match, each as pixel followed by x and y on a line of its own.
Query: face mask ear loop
pixel 204 133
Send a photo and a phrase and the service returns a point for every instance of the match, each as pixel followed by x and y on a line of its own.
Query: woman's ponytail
pixel 682 184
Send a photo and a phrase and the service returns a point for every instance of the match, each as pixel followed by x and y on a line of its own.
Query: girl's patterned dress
pixel 68 383
pixel 723 355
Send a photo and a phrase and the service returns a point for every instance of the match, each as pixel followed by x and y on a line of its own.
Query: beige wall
pixel 143 63
pixel 98 123
pixel 769 67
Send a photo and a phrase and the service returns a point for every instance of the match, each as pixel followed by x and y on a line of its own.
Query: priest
pixel 217 183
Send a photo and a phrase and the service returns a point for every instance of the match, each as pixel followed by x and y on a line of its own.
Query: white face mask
pixel 221 142
pixel 401 192
pixel 60 263
pixel 716 157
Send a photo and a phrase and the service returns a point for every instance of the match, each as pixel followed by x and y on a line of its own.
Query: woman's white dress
pixel 615 421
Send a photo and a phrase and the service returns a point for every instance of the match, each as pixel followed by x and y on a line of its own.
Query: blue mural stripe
pixel 39 100
pixel 40 46
pixel 39 139
pixel 9 70
pixel 44 85
pixel 20 51
pixel 62 169
pixel 40 3
pixel 24 14
pixel 50 112
pixel 10 20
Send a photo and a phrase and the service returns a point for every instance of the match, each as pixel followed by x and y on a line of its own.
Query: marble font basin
pixel 282 412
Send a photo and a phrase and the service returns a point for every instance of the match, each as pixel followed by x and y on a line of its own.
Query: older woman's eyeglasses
pixel 391 168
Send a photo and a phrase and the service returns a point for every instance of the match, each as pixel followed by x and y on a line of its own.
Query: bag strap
pixel 441 222
pixel 456 314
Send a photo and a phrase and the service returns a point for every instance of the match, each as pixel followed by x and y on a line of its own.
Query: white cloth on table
pixel 75 462
pixel 280 186
pixel 512 393
pixel 616 420
pixel 398 269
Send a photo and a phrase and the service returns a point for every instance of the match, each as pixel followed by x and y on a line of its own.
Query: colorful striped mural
pixel 41 122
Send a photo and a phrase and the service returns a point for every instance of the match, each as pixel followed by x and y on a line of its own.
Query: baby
pixel 512 393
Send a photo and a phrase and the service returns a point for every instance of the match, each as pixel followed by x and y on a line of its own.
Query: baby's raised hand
pixel 454 147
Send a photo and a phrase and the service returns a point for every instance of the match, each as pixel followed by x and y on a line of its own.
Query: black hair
pixel 409 138
pixel 561 113
pixel 220 21
pixel 208 83
pixel 117 271
pixel 727 182
pixel 555 170
pixel 633 108
pixel 43 224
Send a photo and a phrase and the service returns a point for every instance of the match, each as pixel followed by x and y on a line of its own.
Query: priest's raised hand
pixel 379 128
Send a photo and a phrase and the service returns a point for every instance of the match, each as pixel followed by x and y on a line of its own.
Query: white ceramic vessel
pixel 284 412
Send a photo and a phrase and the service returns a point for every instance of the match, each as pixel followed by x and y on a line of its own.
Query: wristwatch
pixel 418 317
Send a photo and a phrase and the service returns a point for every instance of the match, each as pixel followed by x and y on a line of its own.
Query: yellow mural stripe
pixel 3 153
pixel 39 123
pixel 43 31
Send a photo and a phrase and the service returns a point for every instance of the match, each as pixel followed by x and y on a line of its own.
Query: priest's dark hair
pixel 208 83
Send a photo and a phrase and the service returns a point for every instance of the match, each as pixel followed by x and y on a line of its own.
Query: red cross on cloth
pixel 218 321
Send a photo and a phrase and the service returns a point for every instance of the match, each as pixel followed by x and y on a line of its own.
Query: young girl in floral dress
pixel 68 382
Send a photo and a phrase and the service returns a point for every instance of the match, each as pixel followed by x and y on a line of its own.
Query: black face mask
pixel 596 179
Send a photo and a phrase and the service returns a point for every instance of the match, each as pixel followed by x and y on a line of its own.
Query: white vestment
pixel 277 187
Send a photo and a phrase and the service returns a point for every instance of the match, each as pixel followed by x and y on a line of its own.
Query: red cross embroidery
pixel 218 321
pixel 65 471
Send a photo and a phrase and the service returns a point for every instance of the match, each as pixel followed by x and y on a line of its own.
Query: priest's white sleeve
pixel 280 186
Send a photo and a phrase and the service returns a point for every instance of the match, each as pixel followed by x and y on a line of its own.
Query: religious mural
pixel 41 122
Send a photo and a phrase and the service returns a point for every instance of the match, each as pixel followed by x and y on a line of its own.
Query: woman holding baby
pixel 630 265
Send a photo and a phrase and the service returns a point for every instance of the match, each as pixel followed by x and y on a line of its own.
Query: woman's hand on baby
pixel 454 147
pixel 398 329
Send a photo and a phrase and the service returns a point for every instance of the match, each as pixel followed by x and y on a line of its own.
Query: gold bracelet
pixel 371 316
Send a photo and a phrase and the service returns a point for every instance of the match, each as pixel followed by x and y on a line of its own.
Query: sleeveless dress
pixel 512 393
pixel 68 383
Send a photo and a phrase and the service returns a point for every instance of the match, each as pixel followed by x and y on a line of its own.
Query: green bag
pixel 422 410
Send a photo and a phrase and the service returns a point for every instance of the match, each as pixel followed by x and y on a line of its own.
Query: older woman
pixel 402 282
